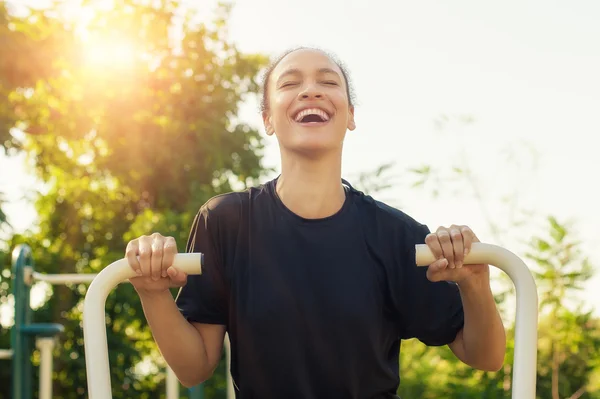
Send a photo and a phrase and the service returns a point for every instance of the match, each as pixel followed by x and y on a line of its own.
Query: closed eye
pixel 330 82
pixel 287 84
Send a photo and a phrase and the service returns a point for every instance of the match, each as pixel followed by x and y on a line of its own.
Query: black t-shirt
pixel 315 308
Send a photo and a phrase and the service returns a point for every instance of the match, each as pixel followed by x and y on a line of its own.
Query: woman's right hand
pixel 152 259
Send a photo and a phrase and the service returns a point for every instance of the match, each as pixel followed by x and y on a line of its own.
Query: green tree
pixel 569 353
pixel 131 128
pixel 570 343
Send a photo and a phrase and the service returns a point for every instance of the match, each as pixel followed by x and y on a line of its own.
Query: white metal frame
pixel 525 358
pixel 526 325
pixel 62 279
pixel 45 345
pixel 94 322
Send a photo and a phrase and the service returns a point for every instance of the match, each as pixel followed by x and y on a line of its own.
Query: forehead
pixel 305 60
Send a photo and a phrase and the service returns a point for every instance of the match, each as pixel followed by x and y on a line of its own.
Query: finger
pixel 145 252
pixel 178 278
pixel 157 256
pixel 131 253
pixel 468 238
pixel 433 243
pixel 169 252
pixel 446 243
pixel 458 246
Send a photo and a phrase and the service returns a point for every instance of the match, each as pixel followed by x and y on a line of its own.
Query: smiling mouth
pixel 312 117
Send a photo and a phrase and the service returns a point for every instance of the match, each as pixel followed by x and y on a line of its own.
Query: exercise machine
pixel 526 324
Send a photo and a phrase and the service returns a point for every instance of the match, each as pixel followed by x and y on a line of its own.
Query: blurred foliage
pixel 3 220
pixel 126 143
pixel 569 336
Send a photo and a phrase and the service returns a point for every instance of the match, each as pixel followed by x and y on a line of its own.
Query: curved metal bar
pixel 94 322
pixel 22 253
pixel 525 358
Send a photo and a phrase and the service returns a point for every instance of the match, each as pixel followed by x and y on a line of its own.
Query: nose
pixel 310 92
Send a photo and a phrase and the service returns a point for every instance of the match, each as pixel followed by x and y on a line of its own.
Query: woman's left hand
pixel 450 246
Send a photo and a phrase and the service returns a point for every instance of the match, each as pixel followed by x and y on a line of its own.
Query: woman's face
pixel 308 104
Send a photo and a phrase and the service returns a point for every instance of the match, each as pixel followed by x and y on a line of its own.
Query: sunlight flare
pixel 101 52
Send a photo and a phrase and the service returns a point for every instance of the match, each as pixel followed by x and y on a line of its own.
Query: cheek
pixel 340 100
pixel 280 106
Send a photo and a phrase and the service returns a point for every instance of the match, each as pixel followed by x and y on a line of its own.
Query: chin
pixel 316 150
pixel 311 142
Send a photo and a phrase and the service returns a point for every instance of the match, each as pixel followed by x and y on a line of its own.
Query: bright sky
pixel 527 72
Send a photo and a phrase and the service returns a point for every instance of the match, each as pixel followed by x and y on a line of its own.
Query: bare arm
pixel 193 350
pixel 482 341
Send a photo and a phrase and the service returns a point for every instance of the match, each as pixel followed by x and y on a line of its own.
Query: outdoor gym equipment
pixel 24 331
pixel 94 324
pixel 526 324
pixel 525 356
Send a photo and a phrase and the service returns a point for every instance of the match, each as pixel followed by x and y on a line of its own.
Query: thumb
pixel 436 268
pixel 178 278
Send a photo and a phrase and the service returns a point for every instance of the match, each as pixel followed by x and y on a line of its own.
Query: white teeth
pixel 313 111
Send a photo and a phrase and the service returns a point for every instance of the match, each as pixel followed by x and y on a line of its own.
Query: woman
pixel 314 281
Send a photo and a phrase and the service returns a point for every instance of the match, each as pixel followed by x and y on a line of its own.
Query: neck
pixel 311 188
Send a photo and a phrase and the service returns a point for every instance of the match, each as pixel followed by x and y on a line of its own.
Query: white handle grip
pixel 525 358
pixel 94 322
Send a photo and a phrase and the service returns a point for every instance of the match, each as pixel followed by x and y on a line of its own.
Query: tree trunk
pixel 555 365
pixel 578 393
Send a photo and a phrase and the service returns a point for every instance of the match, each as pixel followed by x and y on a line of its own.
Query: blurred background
pixel 121 118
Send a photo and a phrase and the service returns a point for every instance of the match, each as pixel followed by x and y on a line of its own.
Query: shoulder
pixel 397 216
pixel 219 220
pixel 389 219
pixel 223 204
pixel 228 207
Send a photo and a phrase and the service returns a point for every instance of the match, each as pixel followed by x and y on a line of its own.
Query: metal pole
pixel 45 345
pixel 61 279
pixel 196 392
pixel 172 384
pixel 230 390
pixel 525 358
pixel 20 344
pixel 94 323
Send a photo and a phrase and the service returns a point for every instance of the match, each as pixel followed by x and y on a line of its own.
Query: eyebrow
pixel 296 71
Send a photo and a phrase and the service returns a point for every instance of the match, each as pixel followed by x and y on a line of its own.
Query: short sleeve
pixel 432 312
pixel 204 298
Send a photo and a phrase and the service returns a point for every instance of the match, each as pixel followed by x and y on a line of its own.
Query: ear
pixel 351 122
pixel 268 124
